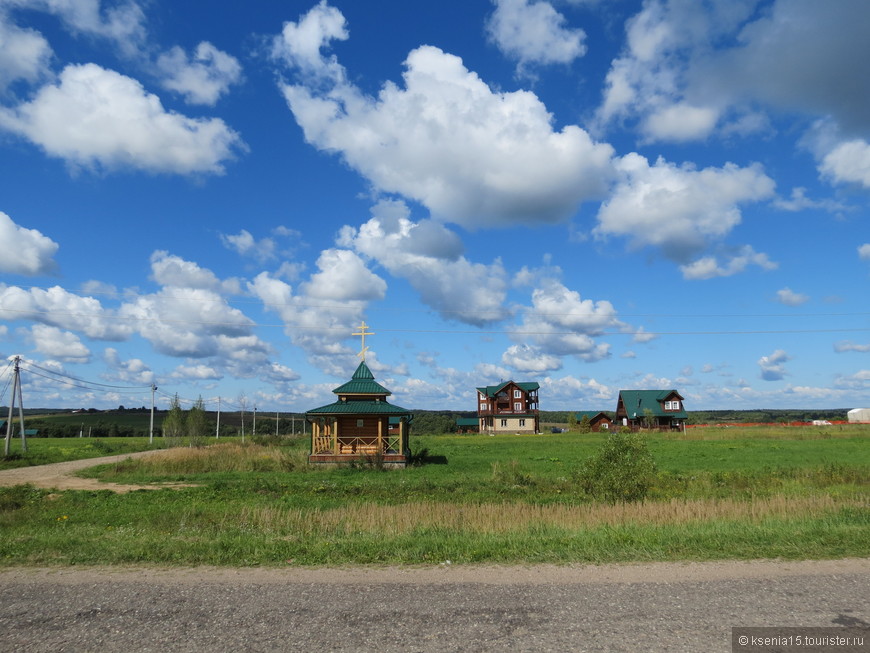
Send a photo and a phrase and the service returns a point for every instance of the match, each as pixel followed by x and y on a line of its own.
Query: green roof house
pixel 508 407
pixel 360 423
pixel 654 409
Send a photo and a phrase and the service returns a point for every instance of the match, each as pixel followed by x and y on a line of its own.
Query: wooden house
pixel 508 407
pixel 653 409
pixel 598 421
pixel 360 424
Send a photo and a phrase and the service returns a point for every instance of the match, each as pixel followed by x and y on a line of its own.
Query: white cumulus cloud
pixel 533 32
pixel 24 53
pixel 173 271
pixel 60 308
pixel 471 155
pixel 428 256
pixel 727 264
pixel 525 358
pixel 26 251
pixel 201 78
pixel 678 209
pixel 772 367
pixel 560 323
pixel 791 298
pixel 94 117
pixel 60 345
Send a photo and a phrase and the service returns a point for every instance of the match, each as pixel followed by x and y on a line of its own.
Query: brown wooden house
pixel 508 407
pixel 598 421
pixel 653 409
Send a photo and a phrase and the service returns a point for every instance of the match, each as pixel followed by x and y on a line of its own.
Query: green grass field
pixel 791 493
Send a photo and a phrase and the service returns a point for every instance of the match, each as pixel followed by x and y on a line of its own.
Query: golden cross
pixel 362 332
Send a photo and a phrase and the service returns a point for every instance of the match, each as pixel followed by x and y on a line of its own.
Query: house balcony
pixel 528 410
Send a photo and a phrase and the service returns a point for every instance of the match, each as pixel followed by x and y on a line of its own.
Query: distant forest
pixel 136 421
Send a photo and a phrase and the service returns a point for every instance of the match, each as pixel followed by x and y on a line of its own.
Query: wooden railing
pixel 350 446
pixel 322 444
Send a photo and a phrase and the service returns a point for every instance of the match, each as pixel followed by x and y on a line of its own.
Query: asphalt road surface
pixel 648 607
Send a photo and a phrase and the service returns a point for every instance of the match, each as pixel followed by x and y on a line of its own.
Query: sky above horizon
pixel 596 196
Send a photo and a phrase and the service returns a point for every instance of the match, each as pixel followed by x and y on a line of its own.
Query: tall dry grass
pixel 489 518
pixel 225 457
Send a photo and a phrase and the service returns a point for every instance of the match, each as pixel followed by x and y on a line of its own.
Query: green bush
pixel 623 469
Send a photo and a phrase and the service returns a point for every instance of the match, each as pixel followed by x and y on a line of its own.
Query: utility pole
pixel 16 387
pixel 276 423
pixel 151 431
pixel 217 431
pixel 254 427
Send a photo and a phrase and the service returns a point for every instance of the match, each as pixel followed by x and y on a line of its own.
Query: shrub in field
pixel 622 469
pixel 510 474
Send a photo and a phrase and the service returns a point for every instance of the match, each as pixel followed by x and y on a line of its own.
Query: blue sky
pixel 592 195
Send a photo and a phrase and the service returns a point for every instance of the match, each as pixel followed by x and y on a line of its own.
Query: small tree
pixel 173 425
pixel 197 423
pixel 623 469
pixel 648 420
pixel 585 426
pixel 572 422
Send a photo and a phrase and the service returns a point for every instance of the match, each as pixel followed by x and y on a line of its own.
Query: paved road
pixel 656 607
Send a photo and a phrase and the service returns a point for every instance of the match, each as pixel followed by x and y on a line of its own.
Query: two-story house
pixel 509 407
pixel 654 409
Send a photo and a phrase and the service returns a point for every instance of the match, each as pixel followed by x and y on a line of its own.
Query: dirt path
pixel 60 475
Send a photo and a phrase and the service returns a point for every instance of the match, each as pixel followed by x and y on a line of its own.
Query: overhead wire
pixel 8 380
pixel 514 332
pixel 405 309
pixel 104 385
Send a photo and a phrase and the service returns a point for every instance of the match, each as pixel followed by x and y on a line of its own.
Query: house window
pixel 517 394
pixel 482 405
pixel 672 405
pixel 359 423
pixel 605 425
pixel 518 405
pixel 522 422
pixel 504 422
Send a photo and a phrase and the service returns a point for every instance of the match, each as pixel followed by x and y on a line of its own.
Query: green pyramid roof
pixel 362 383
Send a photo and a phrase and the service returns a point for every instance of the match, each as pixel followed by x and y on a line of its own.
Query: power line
pixel 345 306
pixel 67 381
pixel 104 385
pixel 516 332
pixel 8 381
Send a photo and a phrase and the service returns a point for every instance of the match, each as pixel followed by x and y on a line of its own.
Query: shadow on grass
pixel 423 457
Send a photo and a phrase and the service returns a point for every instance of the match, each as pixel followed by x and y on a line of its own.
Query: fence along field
pixel 715 493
